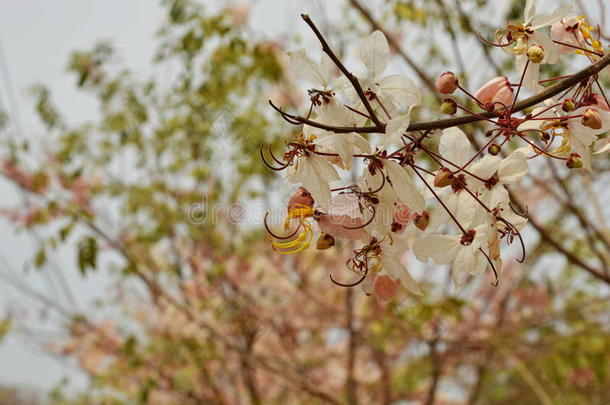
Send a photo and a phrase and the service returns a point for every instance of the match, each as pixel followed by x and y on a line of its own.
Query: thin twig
pixel 350 76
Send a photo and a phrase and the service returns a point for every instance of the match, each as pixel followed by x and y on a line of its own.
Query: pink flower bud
pixel 496 90
pixel 443 178
pixel 592 119
pixel 300 198
pixel 447 83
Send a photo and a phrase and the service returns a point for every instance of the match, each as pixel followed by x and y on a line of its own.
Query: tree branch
pixel 549 92
pixel 351 77
pixel 545 235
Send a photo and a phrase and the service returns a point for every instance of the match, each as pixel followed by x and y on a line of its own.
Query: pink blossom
pixel 301 197
pixel 567 31
pixel 597 100
pixel 384 287
pixel 343 219
pixel 497 90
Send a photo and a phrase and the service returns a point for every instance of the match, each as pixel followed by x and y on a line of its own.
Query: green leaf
pixel 87 255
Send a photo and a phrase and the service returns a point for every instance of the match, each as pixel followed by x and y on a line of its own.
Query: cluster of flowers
pixel 411 187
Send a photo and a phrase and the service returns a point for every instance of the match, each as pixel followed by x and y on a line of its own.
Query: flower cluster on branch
pixel 424 186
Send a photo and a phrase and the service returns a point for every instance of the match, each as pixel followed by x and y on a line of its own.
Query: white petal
pixel 395 128
pixel 513 168
pixel 552 18
pixel 403 186
pixel 375 53
pixel 441 248
pixel 400 89
pixel 315 173
pixel 345 145
pixel 497 196
pixel 397 271
pixel 530 10
pixel 315 72
pixel 602 146
pixel 464 207
pixel 532 75
pixel 485 167
pixel 455 146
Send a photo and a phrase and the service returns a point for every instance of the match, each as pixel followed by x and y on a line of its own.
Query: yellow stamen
pixel 301 243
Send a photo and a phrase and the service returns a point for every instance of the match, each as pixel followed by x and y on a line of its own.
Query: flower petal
pixel 549 19
pixel 404 186
pixel 318 73
pixel 384 287
pixel 441 248
pixel 513 168
pixel 400 89
pixel 375 53
pixel 455 146
pixel 314 173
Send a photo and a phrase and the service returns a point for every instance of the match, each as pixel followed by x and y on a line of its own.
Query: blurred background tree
pixel 165 192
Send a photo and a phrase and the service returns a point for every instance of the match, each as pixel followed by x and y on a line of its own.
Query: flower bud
pixel 568 105
pixel 494 149
pixel 574 161
pixel 447 83
pixel 443 178
pixel 422 220
pixel 325 241
pixel 300 198
pixel 497 90
pixel 598 101
pixel 449 106
pixel 592 119
pixel 535 54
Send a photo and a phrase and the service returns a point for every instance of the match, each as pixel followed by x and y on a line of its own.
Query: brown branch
pixel 351 384
pixel 547 93
pixel 350 76
pixel 572 258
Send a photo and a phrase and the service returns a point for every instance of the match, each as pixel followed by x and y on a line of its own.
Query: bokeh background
pixel 133 267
